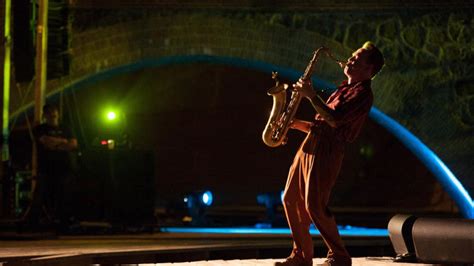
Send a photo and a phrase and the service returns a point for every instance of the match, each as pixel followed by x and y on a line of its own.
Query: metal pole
pixel 41 68
pixel 6 82
pixel 4 186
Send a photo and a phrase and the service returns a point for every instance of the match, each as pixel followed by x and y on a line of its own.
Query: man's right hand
pixel 301 125
pixel 52 143
pixel 305 88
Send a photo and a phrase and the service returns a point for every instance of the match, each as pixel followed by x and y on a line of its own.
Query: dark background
pixel 207 135
pixel 202 122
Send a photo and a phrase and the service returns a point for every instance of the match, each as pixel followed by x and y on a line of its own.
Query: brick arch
pixel 109 50
pixel 447 179
pixel 106 48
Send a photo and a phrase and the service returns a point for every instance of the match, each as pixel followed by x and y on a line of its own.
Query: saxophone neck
pixel 309 69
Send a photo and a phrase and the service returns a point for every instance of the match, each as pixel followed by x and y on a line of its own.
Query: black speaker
pixel 58 38
pixel 117 186
pixel 444 240
pixel 400 233
pixel 25 18
pixel 23 35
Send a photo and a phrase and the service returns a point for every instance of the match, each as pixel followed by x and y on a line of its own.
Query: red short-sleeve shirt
pixel 351 104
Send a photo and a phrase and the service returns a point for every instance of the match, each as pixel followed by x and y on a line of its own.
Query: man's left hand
pixel 52 143
pixel 305 88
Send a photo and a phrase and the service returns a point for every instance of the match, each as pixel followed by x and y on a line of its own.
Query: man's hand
pixel 301 125
pixel 305 88
pixel 52 143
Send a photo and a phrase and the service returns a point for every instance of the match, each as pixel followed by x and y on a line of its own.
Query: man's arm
pixel 306 90
pixel 355 104
pixel 67 144
pixel 301 125
pixel 320 106
pixel 58 143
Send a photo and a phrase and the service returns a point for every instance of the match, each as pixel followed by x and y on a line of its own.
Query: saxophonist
pixel 316 165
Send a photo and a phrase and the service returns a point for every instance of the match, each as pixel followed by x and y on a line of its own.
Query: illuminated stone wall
pixel 426 84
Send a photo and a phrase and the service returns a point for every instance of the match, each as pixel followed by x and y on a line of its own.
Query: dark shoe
pixel 336 262
pixel 295 260
pixel 408 257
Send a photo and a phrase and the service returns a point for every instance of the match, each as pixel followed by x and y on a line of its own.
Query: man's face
pixel 357 64
pixel 52 116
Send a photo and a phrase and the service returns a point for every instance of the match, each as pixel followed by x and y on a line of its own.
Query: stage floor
pixel 231 246
pixel 367 261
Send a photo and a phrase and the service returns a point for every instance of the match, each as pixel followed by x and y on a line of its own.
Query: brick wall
pixel 426 84
pixel 308 5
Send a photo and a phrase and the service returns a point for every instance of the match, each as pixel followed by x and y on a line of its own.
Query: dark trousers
pixel 51 201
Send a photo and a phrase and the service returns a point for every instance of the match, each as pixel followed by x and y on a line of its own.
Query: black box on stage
pixel 116 186
pixel 400 233
pixel 444 240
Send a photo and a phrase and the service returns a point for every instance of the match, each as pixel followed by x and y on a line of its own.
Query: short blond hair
pixel 375 57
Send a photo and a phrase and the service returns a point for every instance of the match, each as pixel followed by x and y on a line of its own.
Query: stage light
pixel 111 115
pixel 197 202
pixel 203 198
pixel 271 201
pixel 207 198
pixel 111 129
pixel 367 151
pixel 109 143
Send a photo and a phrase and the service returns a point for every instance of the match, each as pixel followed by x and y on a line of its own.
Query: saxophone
pixel 281 118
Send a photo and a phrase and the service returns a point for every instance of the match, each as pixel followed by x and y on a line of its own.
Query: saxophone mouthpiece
pixel 341 64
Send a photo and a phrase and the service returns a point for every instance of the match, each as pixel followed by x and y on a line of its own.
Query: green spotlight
pixel 111 115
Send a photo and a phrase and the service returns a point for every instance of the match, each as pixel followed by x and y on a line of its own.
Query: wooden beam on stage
pixel 63 259
pixel 168 247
